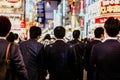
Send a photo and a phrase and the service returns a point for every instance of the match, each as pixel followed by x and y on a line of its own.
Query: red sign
pixel 73 10
pixel 23 25
pixel 13 1
pixel 101 20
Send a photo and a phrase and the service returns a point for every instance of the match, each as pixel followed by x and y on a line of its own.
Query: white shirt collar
pixel 61 40
pixel 115 38
pixel 97 39
pixel 2 37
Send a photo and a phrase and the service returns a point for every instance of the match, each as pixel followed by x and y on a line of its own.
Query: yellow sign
pixel 110 6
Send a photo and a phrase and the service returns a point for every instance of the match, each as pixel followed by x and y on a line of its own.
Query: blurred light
pixel 48 4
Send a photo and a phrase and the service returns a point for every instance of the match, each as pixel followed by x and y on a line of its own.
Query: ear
pixel 102 36
pixel 38 37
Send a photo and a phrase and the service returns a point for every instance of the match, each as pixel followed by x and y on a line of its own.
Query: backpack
pixel 4 64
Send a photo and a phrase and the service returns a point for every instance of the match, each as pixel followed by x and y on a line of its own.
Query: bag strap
pixel 7 55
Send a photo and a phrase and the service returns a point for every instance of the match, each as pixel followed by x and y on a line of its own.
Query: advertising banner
pixel 10 6
pixel 110 7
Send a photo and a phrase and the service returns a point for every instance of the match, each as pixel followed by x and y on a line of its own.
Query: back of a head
pixel 35 32
pixel 112 26
pixel 59 32
pixel 76 34
pixel 5 26
pixel 11 37
pixel 98 32
pixel 47 36
pixel 16 36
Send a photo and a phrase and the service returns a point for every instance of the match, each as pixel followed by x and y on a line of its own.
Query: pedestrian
pixel 79 48
pixel 33 55
pixel 46 40
pixel 17 65
pixel 106 55
pixel 60 57
pixel 99 36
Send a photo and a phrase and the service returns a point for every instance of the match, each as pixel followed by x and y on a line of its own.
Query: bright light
pixel 47 4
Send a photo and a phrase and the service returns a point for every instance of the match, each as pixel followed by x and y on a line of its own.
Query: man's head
pixel 5 26
pixel 11 37
pixel 35 32
pixel 112 27
pixel 59 32
pixel 76 34
pixel 99 32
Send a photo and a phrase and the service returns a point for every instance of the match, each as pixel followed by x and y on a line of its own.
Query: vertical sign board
pixel 41 13
pixel 82 7
pixel 82 14
pixel 82 22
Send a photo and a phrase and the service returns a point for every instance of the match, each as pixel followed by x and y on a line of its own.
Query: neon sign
pixel 13 1
pixel 110 6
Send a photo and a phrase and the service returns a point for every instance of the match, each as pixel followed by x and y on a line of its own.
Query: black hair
pixel 76 34
pixel 11 37
pixel 98 31
pixel 112 26
pixel 47 36
pixel 34 32
pixel 5 26
pixel 59 32
pixel 16 36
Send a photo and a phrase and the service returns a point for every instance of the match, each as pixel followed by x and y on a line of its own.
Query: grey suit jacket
pixel 16 59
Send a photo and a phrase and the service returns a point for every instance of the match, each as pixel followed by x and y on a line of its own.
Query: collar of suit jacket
pixel 109 38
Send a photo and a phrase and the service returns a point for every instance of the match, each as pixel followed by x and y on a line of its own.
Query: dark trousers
pixel 90 75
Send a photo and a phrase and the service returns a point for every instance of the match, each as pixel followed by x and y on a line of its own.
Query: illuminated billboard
pixel 110 7
pixel 13 1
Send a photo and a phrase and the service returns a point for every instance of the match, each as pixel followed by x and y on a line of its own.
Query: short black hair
pixel 112 26
pixel 16 36
pixel 5 26
pixel 98 31
pixel 59 32
pixel 34 32
pixel 11 37
pixel 76 34
pixel 47 36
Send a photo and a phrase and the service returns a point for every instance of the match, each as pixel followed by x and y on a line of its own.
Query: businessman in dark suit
pixel 99 36
pixel 105 56
pixel 33 52
pixel 60 57
pixel 79 48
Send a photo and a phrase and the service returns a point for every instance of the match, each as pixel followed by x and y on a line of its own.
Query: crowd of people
pixel 33 60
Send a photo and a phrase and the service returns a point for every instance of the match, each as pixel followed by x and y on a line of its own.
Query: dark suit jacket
pixel 79 49
pixel 88 49
pixel 33 52
pixel 106 57
pixel 16 59
pixel 60 61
